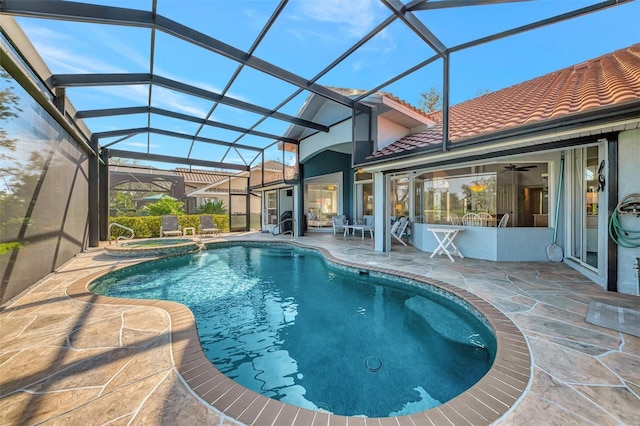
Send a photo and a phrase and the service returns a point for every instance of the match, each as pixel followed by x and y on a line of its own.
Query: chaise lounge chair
pixel 398 229
pixel 207 225
pixel 169 226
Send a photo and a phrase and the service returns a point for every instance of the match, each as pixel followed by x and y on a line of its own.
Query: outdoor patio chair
pixel 399 228
pixel 503 221
pixel 169 226
pixel 207 225
pixel 455 219
pixel 339 222
pixel 367 224
pixel 471 219
pixel 485 219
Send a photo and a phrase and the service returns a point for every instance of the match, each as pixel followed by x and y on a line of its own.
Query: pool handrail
pixel 120 237
pixel 292 231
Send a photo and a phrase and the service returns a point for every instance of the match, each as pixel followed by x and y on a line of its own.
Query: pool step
pixel 281 252
pixel 440 318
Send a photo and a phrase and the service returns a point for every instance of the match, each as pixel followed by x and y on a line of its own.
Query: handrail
pixel 292 231
pixel 120 237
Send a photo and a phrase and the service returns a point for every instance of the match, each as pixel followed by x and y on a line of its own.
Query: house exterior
pixel 234 191
pixel 556 154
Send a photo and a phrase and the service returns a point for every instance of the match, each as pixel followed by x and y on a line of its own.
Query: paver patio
pixel 68 361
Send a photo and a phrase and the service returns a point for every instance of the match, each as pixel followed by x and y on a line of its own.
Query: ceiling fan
pixel 514 168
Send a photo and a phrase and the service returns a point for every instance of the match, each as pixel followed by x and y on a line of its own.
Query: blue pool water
pixel 285 324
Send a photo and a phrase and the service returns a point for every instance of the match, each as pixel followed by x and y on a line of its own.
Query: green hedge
pixel 149 226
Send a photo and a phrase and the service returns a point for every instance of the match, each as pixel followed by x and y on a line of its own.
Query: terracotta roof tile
pixel 196 175
pixel 610 79
pixel 358 92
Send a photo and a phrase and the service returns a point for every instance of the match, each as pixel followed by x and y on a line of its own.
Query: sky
pixel 307 36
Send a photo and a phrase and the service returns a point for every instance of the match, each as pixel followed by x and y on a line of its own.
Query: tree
pixel 123 204
pixel 212 207
pixel 14 177
pixel 430 100
pixel 9 102
pixel 165 205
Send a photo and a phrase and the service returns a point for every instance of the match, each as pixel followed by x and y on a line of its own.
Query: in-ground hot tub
pixel 153 247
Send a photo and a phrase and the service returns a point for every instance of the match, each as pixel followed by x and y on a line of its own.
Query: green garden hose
pixel 625 237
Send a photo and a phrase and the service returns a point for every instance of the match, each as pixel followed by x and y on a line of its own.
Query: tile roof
pixel 196 175
pixel 358 92
pixel 608 80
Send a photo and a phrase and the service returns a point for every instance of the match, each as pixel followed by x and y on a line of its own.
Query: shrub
pixel 165 205
pixel 212 207
pixel 149 226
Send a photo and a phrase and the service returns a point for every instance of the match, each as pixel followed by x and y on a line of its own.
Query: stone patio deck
pixel 67 360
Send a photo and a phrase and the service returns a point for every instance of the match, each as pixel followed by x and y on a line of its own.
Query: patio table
pixel 362 228
pixel 446 240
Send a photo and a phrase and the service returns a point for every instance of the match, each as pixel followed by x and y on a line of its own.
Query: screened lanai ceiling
pixel 221 83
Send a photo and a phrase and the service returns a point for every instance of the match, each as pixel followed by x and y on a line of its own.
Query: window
pixel 322 200
pixel 272 207
pixel 364 194
pixel 399 197
pixel 445 196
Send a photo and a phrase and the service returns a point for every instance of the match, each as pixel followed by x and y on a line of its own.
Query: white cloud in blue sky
pixel 355 17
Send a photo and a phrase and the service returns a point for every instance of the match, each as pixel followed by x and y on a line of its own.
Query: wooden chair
pixel 504 221
pixel 485 219
pixel 471 219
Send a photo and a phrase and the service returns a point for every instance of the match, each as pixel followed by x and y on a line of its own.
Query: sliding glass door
pixel 585 193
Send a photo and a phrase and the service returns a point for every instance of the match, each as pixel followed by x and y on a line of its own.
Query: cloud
pixel 356 16
pixel 139 144
pixel 172 100
pixel 50 44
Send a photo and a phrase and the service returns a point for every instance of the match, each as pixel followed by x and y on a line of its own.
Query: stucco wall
pixel 339 134
pixel 389 132
pixel 628 182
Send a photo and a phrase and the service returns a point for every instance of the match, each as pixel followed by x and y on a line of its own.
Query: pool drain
pixel 373 363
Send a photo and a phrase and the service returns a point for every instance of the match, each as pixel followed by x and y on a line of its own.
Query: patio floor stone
pixel 65 359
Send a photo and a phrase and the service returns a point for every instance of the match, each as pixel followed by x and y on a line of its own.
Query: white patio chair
pixel 454 219
pixel 339 222
pixel 367 224
pixel 398 229
pixel 485 219
pixel 504 221
pixel 471 219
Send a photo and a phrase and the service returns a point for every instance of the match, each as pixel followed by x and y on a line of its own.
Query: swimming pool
pixel 352 344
